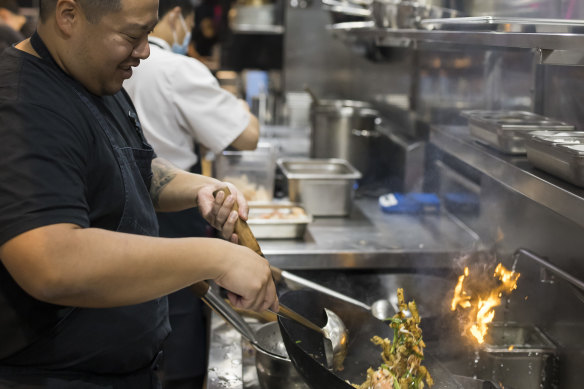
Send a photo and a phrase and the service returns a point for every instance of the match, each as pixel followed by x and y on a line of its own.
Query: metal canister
pixel 343 129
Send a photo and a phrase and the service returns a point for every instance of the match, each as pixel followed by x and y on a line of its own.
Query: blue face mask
pixel 181 48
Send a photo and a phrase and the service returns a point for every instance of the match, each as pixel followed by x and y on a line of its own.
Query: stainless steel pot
pixel 344 129
pixel 384 13
pixel 275 372
pixel 345 11
pixel 406 14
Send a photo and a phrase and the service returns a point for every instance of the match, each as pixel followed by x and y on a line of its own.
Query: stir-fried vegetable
pixel 402 358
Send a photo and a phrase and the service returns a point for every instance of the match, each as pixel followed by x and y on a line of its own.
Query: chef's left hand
pixel 218 210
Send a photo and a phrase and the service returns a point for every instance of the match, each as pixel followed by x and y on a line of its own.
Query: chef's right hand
pixel 248 280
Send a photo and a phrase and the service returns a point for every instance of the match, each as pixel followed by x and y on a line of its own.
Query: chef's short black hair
pixel 10 5
pixel 93 9
pixel 164 6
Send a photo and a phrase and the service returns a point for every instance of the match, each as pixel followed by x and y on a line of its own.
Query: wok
pixel 306 350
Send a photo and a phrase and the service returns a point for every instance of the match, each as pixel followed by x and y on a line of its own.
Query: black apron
pixel 114 348
pixel 185 350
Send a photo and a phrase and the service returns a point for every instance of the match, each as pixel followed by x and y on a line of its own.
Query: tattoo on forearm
pixel 162 173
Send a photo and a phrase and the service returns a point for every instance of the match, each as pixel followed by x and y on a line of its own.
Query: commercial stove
pixel 232 361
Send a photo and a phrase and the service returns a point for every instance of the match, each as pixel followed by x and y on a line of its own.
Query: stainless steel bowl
pixel 275 372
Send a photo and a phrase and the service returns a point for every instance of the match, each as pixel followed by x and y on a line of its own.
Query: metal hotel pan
pixel 507 131
pixel 558 153
pixel 306 350
pixel 325 187
pixel 290 226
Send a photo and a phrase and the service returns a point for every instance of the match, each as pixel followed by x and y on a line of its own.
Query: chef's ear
pixel 67 15
pixel 4 15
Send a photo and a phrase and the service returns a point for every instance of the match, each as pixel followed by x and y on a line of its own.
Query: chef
pixel 83 274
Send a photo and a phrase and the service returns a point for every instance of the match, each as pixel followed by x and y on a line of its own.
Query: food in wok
pixel 402 359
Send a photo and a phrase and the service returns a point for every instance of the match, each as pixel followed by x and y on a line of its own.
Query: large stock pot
pixel 345 129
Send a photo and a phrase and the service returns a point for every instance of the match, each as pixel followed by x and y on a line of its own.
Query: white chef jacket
pixel 179 102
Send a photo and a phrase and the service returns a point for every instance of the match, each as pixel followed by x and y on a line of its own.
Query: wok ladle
pixel 334 331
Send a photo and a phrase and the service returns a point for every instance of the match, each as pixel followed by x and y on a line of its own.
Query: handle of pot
pixel 223 309
pixel 263 316
pixel 244 234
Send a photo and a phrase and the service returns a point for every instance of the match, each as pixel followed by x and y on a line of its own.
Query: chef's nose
pixel 142 49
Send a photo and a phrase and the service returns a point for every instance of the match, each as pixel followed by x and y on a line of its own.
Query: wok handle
pixel 244 234
pixel 246 238
pixel 200 289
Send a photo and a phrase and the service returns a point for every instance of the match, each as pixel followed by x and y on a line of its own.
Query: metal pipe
pixel 554 269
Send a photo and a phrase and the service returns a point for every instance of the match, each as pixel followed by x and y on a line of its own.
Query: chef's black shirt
pixel 56 166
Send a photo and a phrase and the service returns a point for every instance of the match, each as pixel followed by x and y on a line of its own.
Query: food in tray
pixel 279 214
pixel 250 190
pixel 402 359
pixel 275 220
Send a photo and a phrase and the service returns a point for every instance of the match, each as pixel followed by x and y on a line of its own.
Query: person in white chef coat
pixel 181 107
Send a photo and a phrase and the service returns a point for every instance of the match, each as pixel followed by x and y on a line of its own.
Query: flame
pixel 479 305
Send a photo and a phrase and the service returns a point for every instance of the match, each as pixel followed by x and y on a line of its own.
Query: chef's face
pixel 104 52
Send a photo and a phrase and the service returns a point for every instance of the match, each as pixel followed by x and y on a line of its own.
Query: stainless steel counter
pixel 370 238
pixel 231 360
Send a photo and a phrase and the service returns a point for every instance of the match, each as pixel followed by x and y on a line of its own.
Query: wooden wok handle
pixel 263 316
pixel 200 288
pixel 246 237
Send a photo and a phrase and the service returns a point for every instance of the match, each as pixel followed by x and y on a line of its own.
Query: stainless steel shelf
pixel 258 29
pixel 396 37
pixel 514 172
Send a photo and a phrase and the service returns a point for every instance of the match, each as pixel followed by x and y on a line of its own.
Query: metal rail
pixel 554 269
pixel 386 36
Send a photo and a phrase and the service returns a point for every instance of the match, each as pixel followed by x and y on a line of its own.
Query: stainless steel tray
pixel 324 187
pixel 518 356
pixel 278 221
pixel 505 24
pixel 506 130
pixel 558 153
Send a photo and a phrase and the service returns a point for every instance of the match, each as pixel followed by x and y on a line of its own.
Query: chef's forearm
pixel 66 265
pixel 173 189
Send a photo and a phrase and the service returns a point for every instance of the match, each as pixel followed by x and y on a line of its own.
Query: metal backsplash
pixel 313 57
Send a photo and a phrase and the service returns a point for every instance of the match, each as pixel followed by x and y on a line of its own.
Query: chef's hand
pixel 249 281
pixel 218 209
